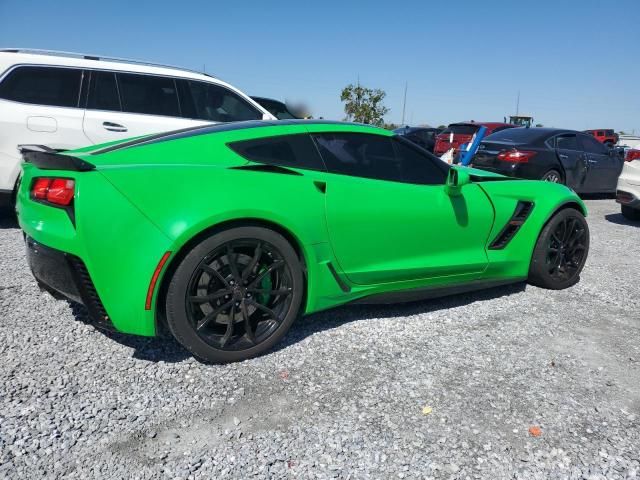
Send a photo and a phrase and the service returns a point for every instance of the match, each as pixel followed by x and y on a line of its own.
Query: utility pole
pixel 518 104
pixel 404 103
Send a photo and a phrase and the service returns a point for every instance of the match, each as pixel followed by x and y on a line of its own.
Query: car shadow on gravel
pixel 619 219
pixel 165 348
pixel 8 219
pixel 336 317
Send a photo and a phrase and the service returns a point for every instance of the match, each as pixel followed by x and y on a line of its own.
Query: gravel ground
pixel 345 395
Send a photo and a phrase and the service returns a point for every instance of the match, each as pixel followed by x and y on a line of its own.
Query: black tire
pixel 553 176
pixel 561 251
pixel 630 213
pixel 244 328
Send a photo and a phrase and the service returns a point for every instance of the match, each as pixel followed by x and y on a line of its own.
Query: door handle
pixel 321 186
pixel 114 127
pixel 563 156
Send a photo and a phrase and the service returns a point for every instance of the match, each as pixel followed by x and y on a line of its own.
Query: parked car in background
pixel 279 109
pixel 204 246
pixel 457 134
pixel 606 136
pixel 573 158
pixel 628 190
pixel 629 141
pixel 423 136
pixel 66 101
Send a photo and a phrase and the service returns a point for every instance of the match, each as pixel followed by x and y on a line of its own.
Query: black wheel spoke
pixel 212 271
pixel 231 259
pixel 266 291
pixel 274 266
pixel 210 297
pixel 254 261
pixel 265 309
pixel 247 323
pixel 210 316
pixel 229 331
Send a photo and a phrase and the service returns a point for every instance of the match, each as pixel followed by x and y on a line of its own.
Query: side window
pixel 103 92
pixel 207 101
pixel 296 151
pixel 58 87
pixel 148 94
pixel 567 142
pixel 591 145
pixel 359 155
pixel 417 167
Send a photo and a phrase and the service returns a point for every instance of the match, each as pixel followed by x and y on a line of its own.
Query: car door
pixel 122 105
pixel 572 158
pixel 389 217
pixel 604 166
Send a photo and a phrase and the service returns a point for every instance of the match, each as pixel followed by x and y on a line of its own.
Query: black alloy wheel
pixel 240 291
pixel 561 251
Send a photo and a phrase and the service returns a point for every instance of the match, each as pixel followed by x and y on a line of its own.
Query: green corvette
pixel 225 234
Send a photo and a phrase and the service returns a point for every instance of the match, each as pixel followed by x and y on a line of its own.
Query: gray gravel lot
pixel 344 395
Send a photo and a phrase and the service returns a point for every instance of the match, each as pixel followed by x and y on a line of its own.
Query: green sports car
pixel 225 234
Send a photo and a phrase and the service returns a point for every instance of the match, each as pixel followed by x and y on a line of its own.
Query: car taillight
pixel 58 191
pixel 632 155
pixel 516 156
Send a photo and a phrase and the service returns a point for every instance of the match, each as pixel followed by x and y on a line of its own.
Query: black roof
pixel 213 128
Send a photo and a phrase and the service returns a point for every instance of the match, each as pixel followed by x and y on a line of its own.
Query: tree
pixel 539 125
pixel 364 105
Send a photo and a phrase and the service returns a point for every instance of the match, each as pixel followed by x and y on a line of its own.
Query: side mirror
pixel 457 178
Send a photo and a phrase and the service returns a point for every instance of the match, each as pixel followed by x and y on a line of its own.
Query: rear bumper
pixel 65 275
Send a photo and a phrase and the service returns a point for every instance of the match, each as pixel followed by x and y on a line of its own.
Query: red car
pixel 463 132
pixel 604 135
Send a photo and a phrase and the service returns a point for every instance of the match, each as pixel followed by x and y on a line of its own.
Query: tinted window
pixel 516 135
pixel 499 129
pixel 418 167
pixel 58 87
pixel 103 93
pixel 567 142
pixel 275 108
pixel 591 145
pixel 206 101
pixel 148 94
pixel 370 156
pixel 287 150
pixel 461 129
pixel 379 157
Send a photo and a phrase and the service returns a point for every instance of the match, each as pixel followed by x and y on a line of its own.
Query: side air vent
pixel 520 215
pixel 89 295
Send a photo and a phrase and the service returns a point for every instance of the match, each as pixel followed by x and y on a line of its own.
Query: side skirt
pixel 416 294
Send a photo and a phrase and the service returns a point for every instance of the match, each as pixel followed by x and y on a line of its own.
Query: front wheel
pixel 561 251
pixel 630 213
pixel 235 294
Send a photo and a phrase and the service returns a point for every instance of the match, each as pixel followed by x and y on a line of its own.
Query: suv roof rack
pixel 85 56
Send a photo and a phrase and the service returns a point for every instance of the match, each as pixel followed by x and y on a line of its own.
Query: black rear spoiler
pixel 47 158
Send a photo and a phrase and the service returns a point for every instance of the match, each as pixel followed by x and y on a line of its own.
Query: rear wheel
pixel 630 213
pixel 235 294
pixel 552 176
pixel 561 251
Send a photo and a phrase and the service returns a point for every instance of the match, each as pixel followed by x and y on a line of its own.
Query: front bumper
pixel 66 275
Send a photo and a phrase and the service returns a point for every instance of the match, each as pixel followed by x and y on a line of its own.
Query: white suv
pixel 65 100
pixel 628 191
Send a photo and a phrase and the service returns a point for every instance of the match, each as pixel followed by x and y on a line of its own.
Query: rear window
pixel 296 151
pixel 516 135
pixel 461 129
pixel 58 87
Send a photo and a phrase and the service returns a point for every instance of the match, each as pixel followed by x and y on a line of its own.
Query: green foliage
pixel 364 105
pixel 390 126
pixel 539 125
pixel 442 127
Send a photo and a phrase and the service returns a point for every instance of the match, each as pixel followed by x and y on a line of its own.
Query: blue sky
pixel 575 62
